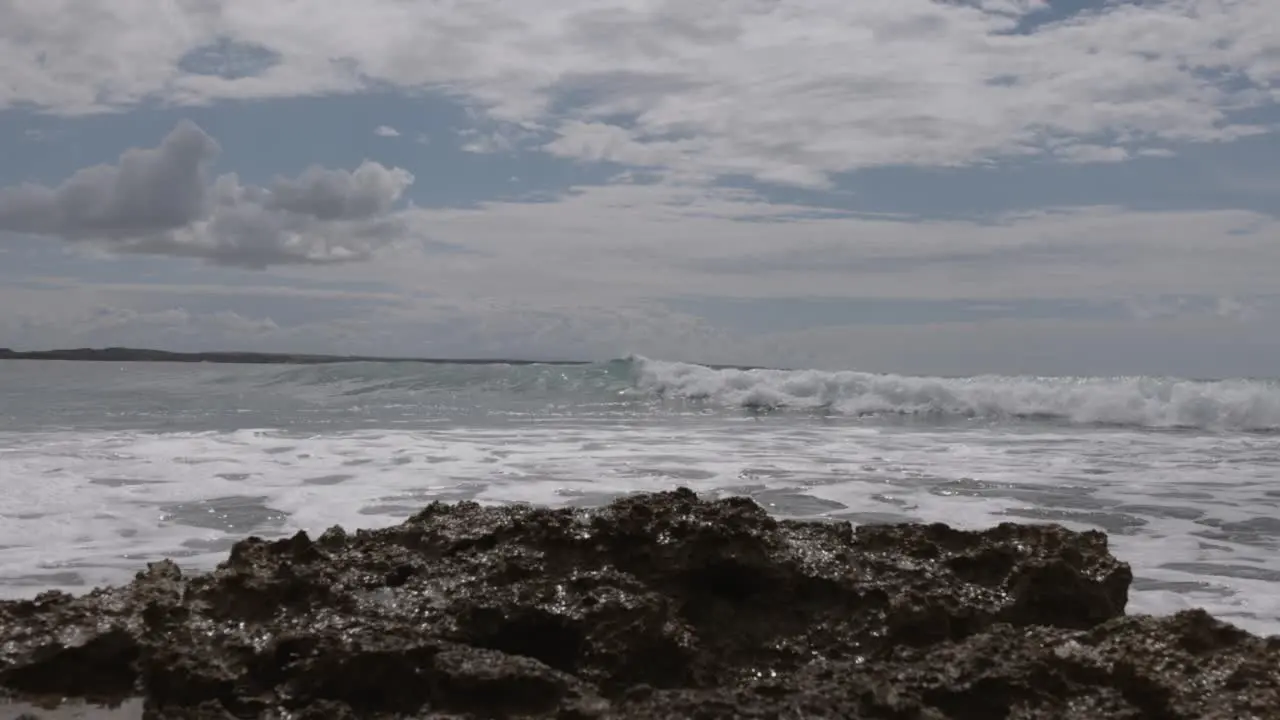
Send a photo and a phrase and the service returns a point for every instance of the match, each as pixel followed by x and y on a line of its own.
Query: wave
pixel 638 383
pixel 1249 405
pixel 367 378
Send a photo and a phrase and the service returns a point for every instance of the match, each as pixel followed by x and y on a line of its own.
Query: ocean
pixel 107 466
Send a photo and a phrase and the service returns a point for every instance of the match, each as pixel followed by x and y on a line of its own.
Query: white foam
pixel 1136 401
pixel 1181 508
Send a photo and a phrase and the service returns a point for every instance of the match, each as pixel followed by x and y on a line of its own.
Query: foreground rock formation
pixel 655 606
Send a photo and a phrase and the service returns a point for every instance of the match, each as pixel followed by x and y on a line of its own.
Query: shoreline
pixel 119 354
pixel 235 357
pixel 655 605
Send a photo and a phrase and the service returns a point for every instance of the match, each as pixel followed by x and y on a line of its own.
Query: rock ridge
pixel 656 605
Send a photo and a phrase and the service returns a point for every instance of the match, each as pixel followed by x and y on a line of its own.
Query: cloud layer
pixel 633 240
pixel 784 92
pixel 160 201
pixel 694 100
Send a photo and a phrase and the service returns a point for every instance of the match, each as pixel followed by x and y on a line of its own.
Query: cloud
pixel 368 191
pixel 160 201
pixel 88 321
pixel 386 131
pixel 1196 343
pixel 1080 153
pixel 632 241
pixel 1224 307
pixel 90 314
pixel 792 93
pixel 498 140
pixel 149 191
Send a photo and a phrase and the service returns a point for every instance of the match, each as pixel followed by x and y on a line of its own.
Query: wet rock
pixel 658 605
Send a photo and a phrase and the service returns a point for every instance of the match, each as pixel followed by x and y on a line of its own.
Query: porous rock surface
pixel 661 605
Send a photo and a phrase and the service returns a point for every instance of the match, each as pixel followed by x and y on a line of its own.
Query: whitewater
pixel 107 466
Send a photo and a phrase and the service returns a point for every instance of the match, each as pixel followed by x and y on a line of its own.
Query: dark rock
pixel 654 606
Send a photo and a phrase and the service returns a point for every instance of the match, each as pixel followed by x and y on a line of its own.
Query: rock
pixel 659 605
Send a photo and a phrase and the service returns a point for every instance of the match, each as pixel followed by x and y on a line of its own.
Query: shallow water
pixel 107 467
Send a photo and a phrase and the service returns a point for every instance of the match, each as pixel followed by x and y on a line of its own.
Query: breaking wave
pixel 1250 405
pixel 639 383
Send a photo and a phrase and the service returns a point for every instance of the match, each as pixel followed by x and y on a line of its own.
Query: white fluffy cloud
pixel 788 92
pixel 149 191
pixel 160 201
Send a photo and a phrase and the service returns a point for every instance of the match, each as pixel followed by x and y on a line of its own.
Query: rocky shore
pixel 659 605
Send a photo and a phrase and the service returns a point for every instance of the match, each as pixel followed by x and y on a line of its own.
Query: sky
pixel 917 186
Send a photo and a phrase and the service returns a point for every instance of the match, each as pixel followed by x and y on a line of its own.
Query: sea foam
pixel 1250 405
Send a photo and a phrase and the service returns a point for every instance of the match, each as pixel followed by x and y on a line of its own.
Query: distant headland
pixel 123 354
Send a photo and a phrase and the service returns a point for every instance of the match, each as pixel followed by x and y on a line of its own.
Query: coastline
pixel 121 354
pixel 656 605
pixel 236 357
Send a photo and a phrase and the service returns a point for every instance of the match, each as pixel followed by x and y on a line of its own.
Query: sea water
pixel 107 466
